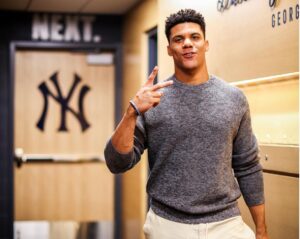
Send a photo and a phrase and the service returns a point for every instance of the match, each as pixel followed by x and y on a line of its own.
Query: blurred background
pixel 67 71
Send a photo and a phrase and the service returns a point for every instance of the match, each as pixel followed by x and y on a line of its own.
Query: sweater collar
pixel 204 85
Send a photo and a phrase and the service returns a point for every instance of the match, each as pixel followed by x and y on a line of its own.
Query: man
pixel 198 133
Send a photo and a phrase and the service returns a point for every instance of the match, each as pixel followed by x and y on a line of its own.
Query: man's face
pixel 187 46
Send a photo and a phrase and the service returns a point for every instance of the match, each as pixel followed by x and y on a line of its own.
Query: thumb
pixel 152 76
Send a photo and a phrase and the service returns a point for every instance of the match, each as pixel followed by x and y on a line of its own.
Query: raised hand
pixel 149 96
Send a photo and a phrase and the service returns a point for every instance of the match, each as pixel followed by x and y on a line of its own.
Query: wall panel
pixel 243 43
pixel 137 22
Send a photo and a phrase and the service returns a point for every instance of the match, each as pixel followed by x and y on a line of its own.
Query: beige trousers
pixel 157 227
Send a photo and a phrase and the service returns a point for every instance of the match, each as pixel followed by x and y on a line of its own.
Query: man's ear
pixel 206 45
pixel 169 50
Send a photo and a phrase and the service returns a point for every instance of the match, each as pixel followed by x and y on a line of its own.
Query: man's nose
pixel 187 42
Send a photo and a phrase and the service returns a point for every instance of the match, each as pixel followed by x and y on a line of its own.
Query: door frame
pixel 152 50
pixel 91 47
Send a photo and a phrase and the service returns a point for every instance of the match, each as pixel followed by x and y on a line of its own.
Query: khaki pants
pixel 157 227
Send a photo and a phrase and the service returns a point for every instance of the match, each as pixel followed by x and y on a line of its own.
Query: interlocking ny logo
pixel 64 103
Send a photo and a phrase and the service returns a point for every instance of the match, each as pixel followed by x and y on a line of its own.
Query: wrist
pixel 130 112
pixel 134 106
pixel 261 229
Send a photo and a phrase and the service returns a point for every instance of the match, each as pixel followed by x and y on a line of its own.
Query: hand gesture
pixel 149 96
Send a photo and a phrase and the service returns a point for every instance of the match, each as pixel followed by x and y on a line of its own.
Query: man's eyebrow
pixel 190 33
pixel 179 35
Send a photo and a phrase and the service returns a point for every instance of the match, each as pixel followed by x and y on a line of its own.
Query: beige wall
pixel 137 22
pixel 274 108
pixel 243 46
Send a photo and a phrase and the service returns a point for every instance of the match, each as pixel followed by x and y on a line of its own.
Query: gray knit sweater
pixel 199 141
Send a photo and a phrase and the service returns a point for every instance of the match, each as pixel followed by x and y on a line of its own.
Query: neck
pixel 192 77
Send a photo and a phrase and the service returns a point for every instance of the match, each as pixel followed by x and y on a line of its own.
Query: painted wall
pixel 243 43
pixel 137 22
pixel 275 111
pixel 249 41
pixel 252 41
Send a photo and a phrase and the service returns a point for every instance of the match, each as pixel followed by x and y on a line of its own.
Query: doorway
pixel 152 51
pixel 64 111
pixel 152 62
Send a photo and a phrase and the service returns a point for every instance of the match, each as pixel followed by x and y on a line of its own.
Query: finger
pixel 156 101
pixel 157 94
pixel 152 76
pixel 156 104
pixel 162 85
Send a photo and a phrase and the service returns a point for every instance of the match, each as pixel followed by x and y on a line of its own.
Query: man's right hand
pixel 149 95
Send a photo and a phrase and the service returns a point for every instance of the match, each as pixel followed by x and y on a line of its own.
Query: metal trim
pixel 266 80
pixel 282 159
pixel 294 175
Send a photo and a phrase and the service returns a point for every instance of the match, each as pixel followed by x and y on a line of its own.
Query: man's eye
pixel 196 37
pixel 178 39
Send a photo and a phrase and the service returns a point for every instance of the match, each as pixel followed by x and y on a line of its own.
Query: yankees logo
pixel 64 103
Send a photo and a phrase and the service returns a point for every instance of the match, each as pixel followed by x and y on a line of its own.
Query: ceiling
pixel 71 6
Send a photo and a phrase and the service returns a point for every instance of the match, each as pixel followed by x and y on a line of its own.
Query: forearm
pixel 123 137
pixel 258 215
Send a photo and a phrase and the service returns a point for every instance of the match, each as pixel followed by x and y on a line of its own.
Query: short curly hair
pixel 184 15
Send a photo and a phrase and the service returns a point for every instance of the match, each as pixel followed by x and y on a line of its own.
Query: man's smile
pixel 189 55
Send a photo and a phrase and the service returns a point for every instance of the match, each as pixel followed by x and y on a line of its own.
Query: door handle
pixel 20 157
